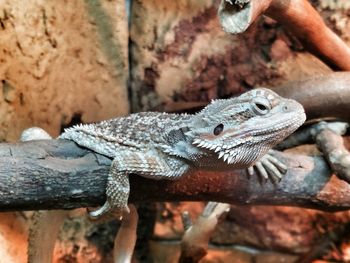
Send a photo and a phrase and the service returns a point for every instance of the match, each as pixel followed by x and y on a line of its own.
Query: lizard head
pixel 242 129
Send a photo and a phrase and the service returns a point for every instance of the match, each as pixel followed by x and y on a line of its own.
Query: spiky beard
pixel 225 152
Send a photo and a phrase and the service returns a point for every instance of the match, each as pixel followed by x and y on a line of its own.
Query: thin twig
pixel 194 243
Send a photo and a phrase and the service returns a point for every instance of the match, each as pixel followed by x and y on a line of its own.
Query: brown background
pixel 63 62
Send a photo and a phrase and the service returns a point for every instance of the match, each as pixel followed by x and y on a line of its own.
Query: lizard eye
pixel 261 106
pixel 218 129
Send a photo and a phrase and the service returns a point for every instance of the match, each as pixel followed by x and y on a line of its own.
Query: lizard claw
pixel 107 213
pixel 269 167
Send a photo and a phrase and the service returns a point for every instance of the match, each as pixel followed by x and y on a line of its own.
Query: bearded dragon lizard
pixel 227 134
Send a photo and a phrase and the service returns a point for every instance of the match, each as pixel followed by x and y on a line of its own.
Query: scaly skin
pixel 227 134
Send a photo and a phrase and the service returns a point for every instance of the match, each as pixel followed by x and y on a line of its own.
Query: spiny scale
pixel 166 146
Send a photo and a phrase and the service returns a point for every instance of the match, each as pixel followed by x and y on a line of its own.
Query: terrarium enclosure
pixel 69 62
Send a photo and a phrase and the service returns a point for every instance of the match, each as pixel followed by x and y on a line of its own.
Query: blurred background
pixel 68 62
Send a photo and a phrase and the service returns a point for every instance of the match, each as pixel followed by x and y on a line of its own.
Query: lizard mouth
pixel 288 124
pixel 228 151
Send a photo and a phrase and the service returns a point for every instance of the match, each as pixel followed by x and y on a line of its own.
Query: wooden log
pixel 57 174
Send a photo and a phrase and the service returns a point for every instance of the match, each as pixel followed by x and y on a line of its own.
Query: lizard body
pixel 227 134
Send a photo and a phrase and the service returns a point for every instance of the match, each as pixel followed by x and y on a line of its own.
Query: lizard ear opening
pixel 218 129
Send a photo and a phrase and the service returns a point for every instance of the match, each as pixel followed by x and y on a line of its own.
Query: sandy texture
pixel 61 60
pixel 13 237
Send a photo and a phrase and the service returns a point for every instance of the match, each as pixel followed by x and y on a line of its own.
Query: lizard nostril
pixel 285 108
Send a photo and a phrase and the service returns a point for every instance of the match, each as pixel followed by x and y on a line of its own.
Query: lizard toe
pixel 107 213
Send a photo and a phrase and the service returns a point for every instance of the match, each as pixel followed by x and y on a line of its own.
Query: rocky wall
pixel 61 62
pixel 181 57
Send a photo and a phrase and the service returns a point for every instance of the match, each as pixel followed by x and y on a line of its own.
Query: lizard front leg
pixel 147 164
pixel 268 166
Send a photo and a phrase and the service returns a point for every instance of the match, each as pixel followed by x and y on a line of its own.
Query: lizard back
pixel 143 130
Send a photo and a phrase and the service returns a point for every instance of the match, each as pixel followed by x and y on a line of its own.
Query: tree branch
pixel 57 174
pixel 321 96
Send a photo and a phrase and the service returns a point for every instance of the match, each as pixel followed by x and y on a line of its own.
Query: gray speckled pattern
pixel 227 134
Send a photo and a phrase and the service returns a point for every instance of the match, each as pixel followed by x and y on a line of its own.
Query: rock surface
pixel 61 62
pixel 179 53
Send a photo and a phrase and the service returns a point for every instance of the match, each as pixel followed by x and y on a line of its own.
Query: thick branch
pixel 57 174
pixel 321 96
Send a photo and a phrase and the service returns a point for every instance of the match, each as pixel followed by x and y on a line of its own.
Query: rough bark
pixel 57 174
